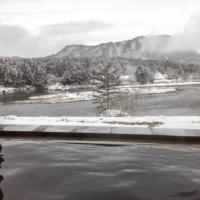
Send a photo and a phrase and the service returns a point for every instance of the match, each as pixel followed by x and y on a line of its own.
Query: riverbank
pixel 67 97
pixel 184 102
pixel 4 90
pixel 60 87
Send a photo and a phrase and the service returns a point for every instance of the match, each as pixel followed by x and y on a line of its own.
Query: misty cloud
pixel 11 35
pixel 43 40
pixel 18 41
pixel 188 39
pixel 75 28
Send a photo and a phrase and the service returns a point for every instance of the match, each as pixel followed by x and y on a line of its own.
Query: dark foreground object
pixel 1 177
pixel 60 171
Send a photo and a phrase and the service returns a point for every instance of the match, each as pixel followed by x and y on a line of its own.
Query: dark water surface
pixel 21 95
pixel 35 170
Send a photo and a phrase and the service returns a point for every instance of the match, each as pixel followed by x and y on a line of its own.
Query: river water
pixel 56 170
pixel 184 102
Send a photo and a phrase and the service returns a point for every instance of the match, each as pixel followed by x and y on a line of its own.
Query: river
pixel 184 102
pixel 56 170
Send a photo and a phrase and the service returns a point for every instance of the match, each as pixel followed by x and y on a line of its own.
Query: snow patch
pixel 176 122
pixel 58 87
pixel 159 76
pixel 152 90
pixel 167 84
pixel 60 98
pixel 7 89
pixel 125 77
pixel 113 113
pixel 12 89
pixel 89 95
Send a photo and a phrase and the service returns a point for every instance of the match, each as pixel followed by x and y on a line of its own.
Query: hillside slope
pixel 144 47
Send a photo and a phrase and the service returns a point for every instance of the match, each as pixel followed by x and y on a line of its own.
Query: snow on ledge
pixel 179 122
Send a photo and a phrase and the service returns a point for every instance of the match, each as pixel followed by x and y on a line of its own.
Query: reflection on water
pixel 61 171
pixel 1 177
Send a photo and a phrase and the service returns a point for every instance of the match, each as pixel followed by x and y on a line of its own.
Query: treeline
pixel 173 70
pixel 45 71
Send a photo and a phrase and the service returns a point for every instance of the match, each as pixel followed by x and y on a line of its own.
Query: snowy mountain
pixel 144 47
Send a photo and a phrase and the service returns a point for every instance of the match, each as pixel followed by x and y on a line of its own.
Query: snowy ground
pixel 59 98
pixel 88 95
pixel 183 122
pixel 7 89
pixel 60 87
pixel 160 84
pixel 12 89
pixel 149 90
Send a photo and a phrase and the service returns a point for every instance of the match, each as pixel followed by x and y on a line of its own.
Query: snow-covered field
pixel 183 122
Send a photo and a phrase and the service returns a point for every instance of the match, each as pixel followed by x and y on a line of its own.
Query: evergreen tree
pixel 39 76
pixel 105 78
pixel 142 75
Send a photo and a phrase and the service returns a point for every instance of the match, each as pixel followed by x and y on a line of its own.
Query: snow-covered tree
pixel 26 74
pixel 39 76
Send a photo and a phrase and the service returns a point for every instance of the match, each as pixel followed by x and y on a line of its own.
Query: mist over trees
pixel 17 72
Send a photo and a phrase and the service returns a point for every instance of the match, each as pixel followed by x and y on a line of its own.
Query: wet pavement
pixel 58 170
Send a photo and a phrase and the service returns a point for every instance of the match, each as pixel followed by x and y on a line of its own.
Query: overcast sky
pixel 32 28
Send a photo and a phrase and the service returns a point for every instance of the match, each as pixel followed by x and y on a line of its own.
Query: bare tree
pixel 127 102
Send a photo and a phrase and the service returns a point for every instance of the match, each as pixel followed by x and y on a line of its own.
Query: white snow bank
pixel 160 76
pixel 7 89
pixel 125 77
pixel 89 95
pixel 183 122
pixel 150 90
pixel 160 85
pixel 113 113
pixel 60 87
pixel 60 98
pixel 12 89
pixel 67 95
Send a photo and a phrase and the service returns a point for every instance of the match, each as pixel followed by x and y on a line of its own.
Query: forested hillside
pixel 37 72
pixel 157 47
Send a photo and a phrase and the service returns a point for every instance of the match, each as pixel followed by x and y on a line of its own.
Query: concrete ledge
pixel 98 133
pixel 19 128
pixel 131 130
